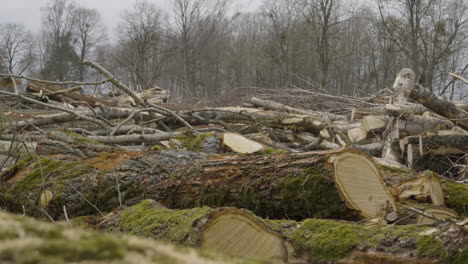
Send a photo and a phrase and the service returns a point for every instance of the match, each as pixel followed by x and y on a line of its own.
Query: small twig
pixel 66 214
pixel 118 187
pixel 414 210
pixel 82 196
pixel 403 219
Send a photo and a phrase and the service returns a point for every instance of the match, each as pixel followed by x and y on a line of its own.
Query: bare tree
pixel 89 32
pixel 322 16
pixel 141 43
pixel 198 23
pixel 17 47
pixel 59 60
pixel 426 32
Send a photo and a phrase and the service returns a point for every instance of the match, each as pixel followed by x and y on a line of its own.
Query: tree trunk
pixel 441 107
pixel 231 231
pixel 275 186
pixel 24 240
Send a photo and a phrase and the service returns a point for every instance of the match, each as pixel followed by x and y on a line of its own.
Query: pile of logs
pixel 257 181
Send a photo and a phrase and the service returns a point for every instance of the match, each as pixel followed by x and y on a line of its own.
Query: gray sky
pixel 27 12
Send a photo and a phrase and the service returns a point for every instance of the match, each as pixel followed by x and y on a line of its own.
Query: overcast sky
pixel 28 12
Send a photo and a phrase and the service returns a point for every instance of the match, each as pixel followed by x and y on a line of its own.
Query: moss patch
pixel 192 142
pixel 46 173
pixel 269 151
pixel 327 240
pixel 312 194
pixel 150 220
pixel 461 256
pixel 431 247
pixel 394 233
pixel 456 197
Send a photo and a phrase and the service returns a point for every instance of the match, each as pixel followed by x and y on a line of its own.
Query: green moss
pixel 268 151
pixel 431 247
pixel 8 235
pixel 12 170
pixel 150 220
pixel 53 173
pixel 327 240
pixel 312 194
pixel 308 193
pixel 96 247
pixel 281 225
pixel 457 197
pixel 460 257
pixel 394 233
pixel 192 142
pixel 159 147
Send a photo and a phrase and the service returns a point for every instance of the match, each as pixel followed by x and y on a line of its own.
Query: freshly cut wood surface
pixel 371 123
pixel 240 144
pixel 361 184
pixel 239 233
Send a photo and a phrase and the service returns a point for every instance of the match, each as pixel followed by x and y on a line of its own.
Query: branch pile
pixel 369 168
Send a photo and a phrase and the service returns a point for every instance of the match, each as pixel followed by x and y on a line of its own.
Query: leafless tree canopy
pixel 205 49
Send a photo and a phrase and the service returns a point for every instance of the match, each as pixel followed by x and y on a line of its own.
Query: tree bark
pixel 274 186
pixel 441 107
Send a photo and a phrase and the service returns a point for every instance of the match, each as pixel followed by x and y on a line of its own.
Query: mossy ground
pixel 327 240
pixel 150 220
pixel 456 197
pixel 431 247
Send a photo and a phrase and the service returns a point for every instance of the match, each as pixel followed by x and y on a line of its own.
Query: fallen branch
pixel 76 114
pixel 458 77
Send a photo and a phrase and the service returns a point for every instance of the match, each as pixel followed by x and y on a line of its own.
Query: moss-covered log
pixel 230 231
pixel 23 240
pixel 280 186
pixel 310 241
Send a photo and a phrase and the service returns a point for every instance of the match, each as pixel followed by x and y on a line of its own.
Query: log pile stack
pixel 258 181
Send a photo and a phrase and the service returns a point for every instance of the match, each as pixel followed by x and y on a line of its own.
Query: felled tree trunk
pixel 107 112
pixel 230 231
pixel 271 105
pixel 274 186
pixel 440 145
pixel 24 240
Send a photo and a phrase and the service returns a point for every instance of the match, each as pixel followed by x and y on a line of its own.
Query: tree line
pixel 205 49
